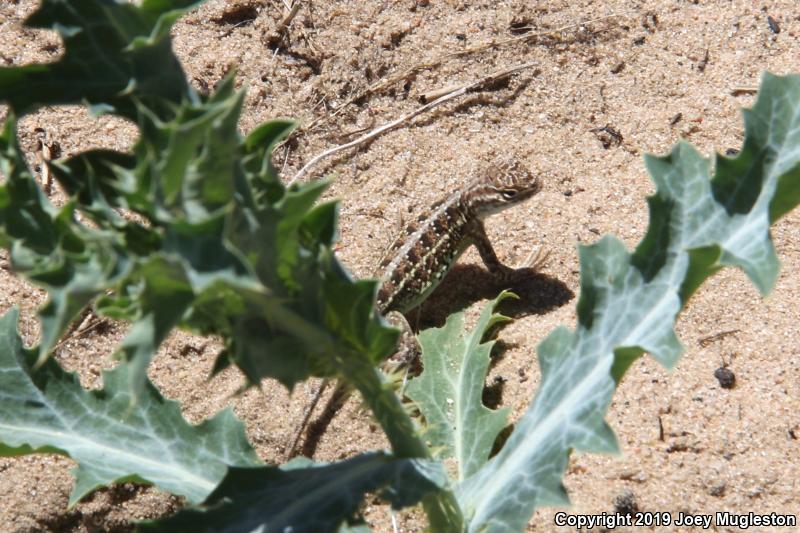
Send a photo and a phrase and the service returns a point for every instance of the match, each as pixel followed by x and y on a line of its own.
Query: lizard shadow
pixel 466 284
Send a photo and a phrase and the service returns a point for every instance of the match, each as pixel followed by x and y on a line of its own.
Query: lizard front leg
pixel 501 272
pixel 481 241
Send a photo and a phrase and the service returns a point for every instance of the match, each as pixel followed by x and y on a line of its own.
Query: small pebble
pixel 726 377
pixel 626 504
pixel 773 25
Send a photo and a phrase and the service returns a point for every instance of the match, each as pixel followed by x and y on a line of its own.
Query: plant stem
pixel 444 513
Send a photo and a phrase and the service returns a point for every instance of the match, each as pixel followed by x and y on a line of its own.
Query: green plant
pixel 226 249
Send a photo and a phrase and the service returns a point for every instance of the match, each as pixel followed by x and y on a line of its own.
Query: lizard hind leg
pixel 405 357
pixel 408 349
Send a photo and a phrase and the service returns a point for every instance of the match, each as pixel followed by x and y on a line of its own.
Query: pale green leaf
pixel 450 389
pixel 111 440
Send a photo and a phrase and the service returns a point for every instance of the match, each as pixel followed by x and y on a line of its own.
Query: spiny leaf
pixel 302 496
pixel 235 239
pixel 315 311
pixel 110 440
pixel 257 148
pixel 123 49
pixel 629 302
pixel 188 165
pixel 449 391
pixel 163 298
pixel 74 262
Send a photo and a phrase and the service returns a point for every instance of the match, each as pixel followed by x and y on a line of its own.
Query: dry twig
pixel 80 328
pixel 459 91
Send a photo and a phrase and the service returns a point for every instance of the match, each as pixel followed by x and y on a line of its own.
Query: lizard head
pixel 502 186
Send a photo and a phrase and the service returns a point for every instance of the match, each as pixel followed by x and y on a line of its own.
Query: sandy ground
pixel 653 72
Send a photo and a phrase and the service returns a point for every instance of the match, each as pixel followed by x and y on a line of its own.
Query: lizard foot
pixel 536 260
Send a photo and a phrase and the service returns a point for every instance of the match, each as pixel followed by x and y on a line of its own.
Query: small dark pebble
pixel 677 118
pixel 461 36
pixel 618 67
pixel 773 25
pixel 626 504
pixel 639 41
pixel 568 192
pixel 717 490
pixel 731 152
pixel 725 377
pixel 701 66
pixel 608 136
pixel 650 21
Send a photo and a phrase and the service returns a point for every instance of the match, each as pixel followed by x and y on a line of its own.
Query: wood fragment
pixel 739 91
pixel 430 96
pixel 48 149
pixel 287 20
pixel 87 323
pixel 275 38
pixel 705 341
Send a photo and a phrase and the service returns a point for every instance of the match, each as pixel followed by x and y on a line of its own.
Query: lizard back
pixel 422 255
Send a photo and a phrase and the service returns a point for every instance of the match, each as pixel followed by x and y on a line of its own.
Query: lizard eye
pixel 508 194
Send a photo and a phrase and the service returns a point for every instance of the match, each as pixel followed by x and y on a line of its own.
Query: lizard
pixel 418 260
